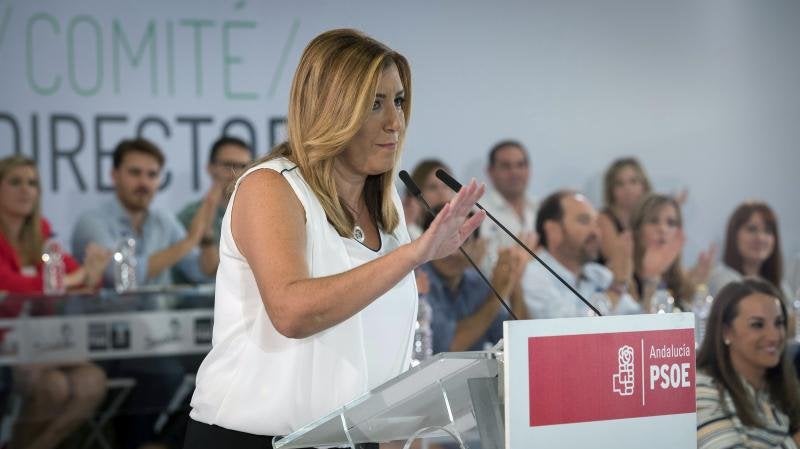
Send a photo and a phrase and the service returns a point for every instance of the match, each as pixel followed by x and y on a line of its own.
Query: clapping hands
pixel 620 257
pixel 658 258
pixel 508 271
pixel 702 269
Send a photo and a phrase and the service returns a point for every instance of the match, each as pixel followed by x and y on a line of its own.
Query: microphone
pixel 412 186
pixel 414 190
pixel 456 186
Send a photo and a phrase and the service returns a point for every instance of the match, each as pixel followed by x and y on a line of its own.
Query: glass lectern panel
pixel 433 394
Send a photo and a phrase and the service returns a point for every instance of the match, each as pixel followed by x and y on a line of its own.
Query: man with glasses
pixel 228 158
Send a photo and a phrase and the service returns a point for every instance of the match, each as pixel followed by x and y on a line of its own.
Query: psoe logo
pixel 623 380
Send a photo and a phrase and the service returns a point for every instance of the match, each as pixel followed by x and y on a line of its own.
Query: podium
pixel 602 382
pixel 433 399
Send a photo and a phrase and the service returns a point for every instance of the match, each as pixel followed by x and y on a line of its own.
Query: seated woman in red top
pixel 23 232
pixel 57 398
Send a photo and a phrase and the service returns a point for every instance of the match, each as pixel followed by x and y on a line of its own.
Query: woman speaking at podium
pixel 315 300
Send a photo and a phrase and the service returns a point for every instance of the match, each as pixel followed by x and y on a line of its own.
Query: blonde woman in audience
pixel 752 248
pixel 624 184
pixel 658 238
pixel 57 399
pixel 747 391
pixel 23 233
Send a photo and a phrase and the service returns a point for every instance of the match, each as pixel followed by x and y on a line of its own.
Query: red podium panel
pixel 601 382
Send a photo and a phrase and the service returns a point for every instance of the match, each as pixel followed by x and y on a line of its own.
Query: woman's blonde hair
pixel 30 237
pixel 674 277
pixel 332 92
pixel 610 177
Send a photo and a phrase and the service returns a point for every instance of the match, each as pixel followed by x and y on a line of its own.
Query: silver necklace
pixel 358 232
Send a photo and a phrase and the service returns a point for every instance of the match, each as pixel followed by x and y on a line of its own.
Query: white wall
pixel 703 92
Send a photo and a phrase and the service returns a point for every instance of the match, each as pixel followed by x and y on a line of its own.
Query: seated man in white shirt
pixel 570 241
pixel 508 200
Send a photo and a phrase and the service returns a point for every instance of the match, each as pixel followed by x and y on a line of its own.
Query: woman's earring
pixel 727 342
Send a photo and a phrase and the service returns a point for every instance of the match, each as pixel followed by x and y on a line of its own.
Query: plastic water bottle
pixel 125 265
pixel 701 307
pixel 53 269
pixel 662 301
pixel 423 335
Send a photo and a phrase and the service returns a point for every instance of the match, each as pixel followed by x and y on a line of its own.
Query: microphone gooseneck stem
pixel 414 190
pixel 472 262
pixel 456 186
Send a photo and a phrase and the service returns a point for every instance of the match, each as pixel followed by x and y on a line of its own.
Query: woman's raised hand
pixel 657 259
pixel 451 226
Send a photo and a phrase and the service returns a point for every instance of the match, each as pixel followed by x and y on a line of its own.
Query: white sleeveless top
pixel 255 380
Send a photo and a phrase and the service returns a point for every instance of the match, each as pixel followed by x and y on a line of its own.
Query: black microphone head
pixel 412 187
pixel 448 180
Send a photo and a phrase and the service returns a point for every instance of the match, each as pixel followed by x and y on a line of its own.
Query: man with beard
pixel 570 241
pixel 161 244
pixel 161 241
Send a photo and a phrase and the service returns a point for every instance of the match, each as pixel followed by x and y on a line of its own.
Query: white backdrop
pixel 704 93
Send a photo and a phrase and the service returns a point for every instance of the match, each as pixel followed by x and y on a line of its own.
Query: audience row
pixel 57 399
pixel 627 259
pixel 624 259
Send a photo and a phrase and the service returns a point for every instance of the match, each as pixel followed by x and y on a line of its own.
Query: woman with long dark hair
pixel 752 248
pixel 747 391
